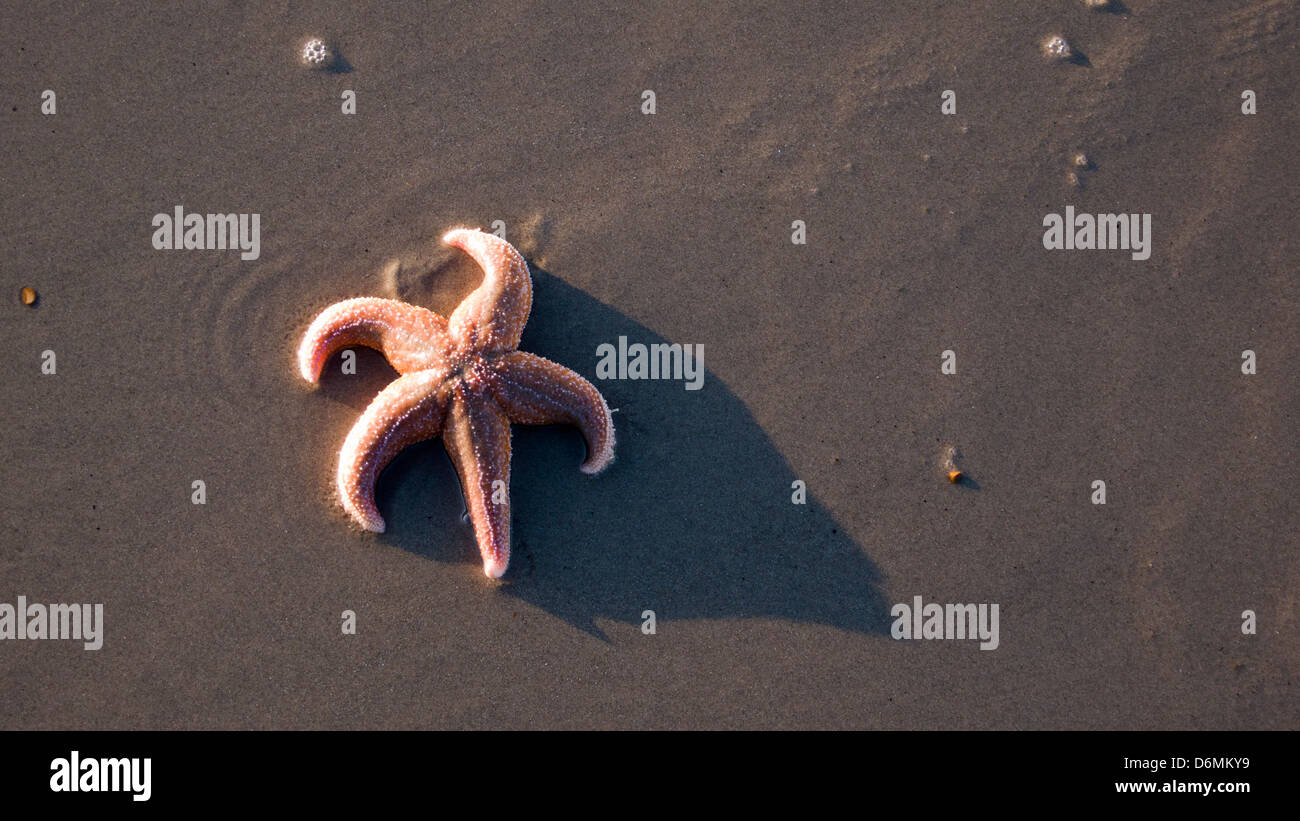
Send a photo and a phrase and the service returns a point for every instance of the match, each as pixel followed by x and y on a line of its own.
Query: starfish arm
pixel 412 338
pixel 536 391
pixel 477 436
pixel 492 318
pixel 409 410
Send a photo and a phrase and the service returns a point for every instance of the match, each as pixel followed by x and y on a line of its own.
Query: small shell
pixel 950 456
pixel 29 296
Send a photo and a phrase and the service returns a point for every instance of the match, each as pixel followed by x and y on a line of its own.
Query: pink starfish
pixel 463 379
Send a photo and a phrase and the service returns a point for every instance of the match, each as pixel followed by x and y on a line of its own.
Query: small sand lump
pixel 29 296
pixel 1082 161
pixel 315 54
pixel 1098 5
pixel 1058 47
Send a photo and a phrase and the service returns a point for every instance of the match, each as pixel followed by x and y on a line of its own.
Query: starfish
pixel 462 378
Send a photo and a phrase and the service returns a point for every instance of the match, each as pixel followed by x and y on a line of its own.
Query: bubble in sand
pixel 316 53
pixel 1057 47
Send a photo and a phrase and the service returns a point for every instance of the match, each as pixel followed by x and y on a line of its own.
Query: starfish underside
pixel 462 378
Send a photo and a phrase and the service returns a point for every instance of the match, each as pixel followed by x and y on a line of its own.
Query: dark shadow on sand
pixel 693 520
pixel 1078 58
pixel 339 65
pixel 967 483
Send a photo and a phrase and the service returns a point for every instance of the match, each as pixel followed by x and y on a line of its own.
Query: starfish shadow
pixel 694 519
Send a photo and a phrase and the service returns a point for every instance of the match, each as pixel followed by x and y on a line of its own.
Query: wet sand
pixel 924 234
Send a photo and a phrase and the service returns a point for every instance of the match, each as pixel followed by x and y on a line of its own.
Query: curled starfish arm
pixel 477 436
pixel 412 338
pixel 409 410
pixel 492 318
pixel 536 391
